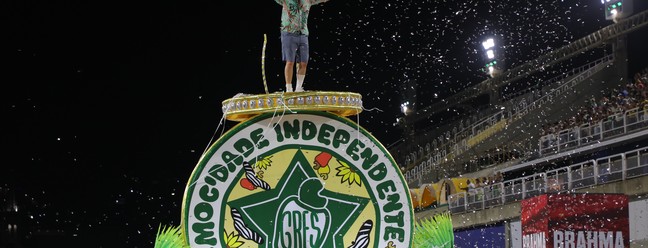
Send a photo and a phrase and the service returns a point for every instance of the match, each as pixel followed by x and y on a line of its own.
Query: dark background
pixel 107 106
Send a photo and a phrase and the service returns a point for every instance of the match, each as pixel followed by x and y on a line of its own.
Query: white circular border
pixel 266 122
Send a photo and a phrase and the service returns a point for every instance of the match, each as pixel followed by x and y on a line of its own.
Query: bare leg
pixel 301 68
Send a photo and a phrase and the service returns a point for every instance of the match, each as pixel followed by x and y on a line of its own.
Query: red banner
pixel 534 220
pixel 575 220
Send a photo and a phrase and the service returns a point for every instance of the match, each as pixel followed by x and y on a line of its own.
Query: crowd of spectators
pixel 632 95
pixel 484 182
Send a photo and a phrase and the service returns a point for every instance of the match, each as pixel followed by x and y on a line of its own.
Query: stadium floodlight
pixel 405 107
pixel 490 54
pixel 616 10
pixel 488 43
pixel 493 54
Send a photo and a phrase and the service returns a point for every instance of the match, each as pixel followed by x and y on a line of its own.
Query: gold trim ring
pixel 243 107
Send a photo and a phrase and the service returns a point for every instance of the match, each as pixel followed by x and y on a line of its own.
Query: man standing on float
pixel 294 39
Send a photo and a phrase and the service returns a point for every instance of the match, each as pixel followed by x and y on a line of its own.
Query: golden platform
pixel 243 107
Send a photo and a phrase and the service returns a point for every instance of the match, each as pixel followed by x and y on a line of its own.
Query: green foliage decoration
pixel 434 232
pixel 170 237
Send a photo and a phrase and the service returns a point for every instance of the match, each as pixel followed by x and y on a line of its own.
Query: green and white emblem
pixel 310 179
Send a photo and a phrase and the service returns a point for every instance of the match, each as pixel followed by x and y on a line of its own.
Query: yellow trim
pixel 486 133
pixel 245 107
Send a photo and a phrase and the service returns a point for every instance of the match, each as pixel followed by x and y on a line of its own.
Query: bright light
pixel 405 107
pixel 491 69
pixel 613 12
pixel 490 54
pixel 488 43
pixel 603 1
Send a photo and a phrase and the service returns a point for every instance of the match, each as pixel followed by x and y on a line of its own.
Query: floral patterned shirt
pixel 294 16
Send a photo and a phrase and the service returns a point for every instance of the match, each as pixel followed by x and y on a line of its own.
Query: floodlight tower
pixel 493 65
pixel 616 10
pixel 408 96
pixel 408 109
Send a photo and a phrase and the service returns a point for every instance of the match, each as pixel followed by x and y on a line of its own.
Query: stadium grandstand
pixel 538 129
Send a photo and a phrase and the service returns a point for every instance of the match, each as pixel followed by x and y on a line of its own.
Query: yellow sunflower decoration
pixel 231 240
pixel 264 163
pixel 348 174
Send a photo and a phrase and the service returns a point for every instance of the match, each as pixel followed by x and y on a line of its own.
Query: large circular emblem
pixel 311 179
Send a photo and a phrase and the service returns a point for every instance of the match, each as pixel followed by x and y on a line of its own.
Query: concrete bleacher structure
pixel 616 163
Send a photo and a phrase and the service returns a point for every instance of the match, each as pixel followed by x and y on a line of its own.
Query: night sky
pixel 107 106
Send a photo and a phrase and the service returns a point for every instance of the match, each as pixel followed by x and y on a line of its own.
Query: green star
pixel 299 212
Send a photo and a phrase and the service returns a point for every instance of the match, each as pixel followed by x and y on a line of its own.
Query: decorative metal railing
pixel 588 133
pixel 599 171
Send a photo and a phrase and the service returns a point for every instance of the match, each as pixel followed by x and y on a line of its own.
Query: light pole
pixel 492 56
pixel 405 108
pixel 616 10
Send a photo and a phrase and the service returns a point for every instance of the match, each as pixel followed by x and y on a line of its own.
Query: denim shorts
pixel 294 47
